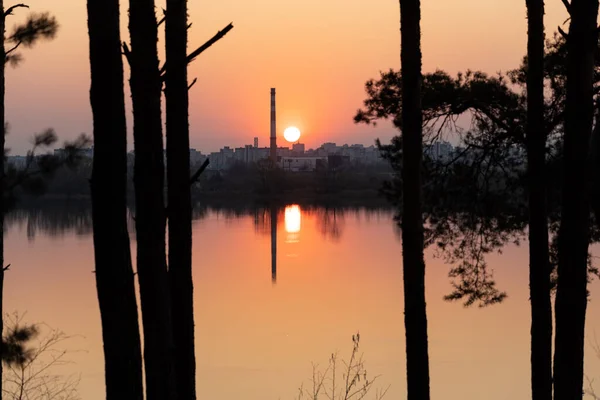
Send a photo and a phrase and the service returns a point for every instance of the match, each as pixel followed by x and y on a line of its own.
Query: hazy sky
pixel 317 53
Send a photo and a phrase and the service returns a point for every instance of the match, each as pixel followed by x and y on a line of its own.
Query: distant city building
pixel 329 148
pixel 298 149
pixel 296 158
pixel 17 162
pixel 302 163
pixel 196 157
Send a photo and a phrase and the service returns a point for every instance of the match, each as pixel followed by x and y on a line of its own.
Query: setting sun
pixel 291 134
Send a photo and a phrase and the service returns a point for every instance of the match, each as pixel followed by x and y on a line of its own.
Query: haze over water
pixel 337 273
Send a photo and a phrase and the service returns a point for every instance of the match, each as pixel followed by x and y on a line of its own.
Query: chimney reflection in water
pixel 293 222
pixel 273 244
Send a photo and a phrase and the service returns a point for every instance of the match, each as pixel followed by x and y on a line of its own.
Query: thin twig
pixel 127 53
pixel 163 18
pixel 193 83
pixel 197 174
pixel 6 53
pixel 567 5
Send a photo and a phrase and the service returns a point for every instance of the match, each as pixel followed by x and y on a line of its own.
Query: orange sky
pixel 318 54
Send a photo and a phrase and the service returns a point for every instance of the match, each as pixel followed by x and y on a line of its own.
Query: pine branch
pixel 567 5
pixel 209 43
pixel 9 10
pixel 193 83
pixel 202 48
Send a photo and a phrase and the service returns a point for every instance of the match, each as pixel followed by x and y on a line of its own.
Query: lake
pixel 259 326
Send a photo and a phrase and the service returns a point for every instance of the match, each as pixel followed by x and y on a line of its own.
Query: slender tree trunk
pixel 114 272
pixel 595 164
pixel 2 183
pixel 415 314
pixel 150 211
pixel 179 198
pixel 539 266
pixel 571 296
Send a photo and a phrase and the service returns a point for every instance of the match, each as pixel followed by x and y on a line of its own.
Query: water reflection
pixel 59 218
pixel 54 219
pixel 293 223
pixel 331 223
pixel 253 342
pixel 273 244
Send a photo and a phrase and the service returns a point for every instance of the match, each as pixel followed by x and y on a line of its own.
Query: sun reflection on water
pixel 293 223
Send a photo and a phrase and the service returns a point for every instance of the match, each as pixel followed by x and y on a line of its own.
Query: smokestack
pixel 273 128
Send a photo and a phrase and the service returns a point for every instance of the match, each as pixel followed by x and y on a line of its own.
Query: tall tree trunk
pixel 114 272
pixel 415 314
pixel 571 296
pixel 539 266
pixel 595 164
pixel 2 182
pixel 179 198
pixel 150 211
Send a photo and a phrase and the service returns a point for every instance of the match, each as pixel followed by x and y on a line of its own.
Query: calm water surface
pixel 260 324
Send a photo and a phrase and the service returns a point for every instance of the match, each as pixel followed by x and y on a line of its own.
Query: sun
pixel 291 134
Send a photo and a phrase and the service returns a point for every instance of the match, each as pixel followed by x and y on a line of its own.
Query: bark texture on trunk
pixel 150 210
pixel 2 183
pixel 571 296
pixel 415 314
pixel 112 254
pixel 539 265
pixel 179 198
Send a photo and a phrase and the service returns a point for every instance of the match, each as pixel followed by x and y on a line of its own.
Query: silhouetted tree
pixel 415 314
pixel 539 264
pixel 112 254
pixel 474 196
pixel 149 203
pixel 179 197
pixel 574 234
pixel 465 193
pixel 35 28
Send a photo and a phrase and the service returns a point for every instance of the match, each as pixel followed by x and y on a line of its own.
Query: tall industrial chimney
pixel 273 155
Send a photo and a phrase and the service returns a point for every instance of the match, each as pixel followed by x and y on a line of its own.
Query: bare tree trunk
pixel 179 198
pixel 415 314
pixel 150 211
pixel 595 164
pixel 2 178
pixel 571 296
pixel 114 272
pixel 539 265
